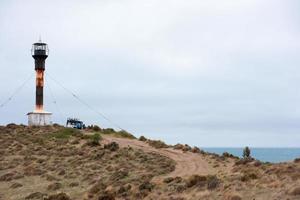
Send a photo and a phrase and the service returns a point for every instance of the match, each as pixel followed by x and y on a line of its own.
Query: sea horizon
pixel 265 154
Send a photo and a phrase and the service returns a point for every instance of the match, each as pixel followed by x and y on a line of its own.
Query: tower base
pixel 39 118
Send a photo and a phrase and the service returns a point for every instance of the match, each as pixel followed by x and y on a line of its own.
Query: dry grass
pixel 110 131
pixel 55 163
pixel 39 162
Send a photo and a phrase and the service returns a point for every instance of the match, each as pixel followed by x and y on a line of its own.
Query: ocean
pixel 274 155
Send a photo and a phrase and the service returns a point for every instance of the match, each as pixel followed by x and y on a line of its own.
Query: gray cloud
pixel 213 73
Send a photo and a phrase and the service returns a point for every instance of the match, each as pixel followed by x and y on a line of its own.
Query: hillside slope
pixel 59 163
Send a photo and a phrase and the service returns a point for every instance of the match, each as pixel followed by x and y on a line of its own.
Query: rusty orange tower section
pixel 39 102
pixel 39 117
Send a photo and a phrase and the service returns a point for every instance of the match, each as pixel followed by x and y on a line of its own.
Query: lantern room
pixel 39 49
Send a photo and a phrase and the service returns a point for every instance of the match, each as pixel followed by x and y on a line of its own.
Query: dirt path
pixel 187 163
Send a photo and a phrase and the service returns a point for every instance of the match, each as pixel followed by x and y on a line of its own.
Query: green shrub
pixel 226 154
pixel 12 126
pixel 96 128
pixel 212 182
pixel 62 196
pixel 297 160
pixel 122 133
pixel 125 134
pixel 56 125
pixel 178 146
pixel 94 139
pixel 244 161
pixel 257 163
pixel 195 150
pixel 168 180
pixel 113 146
pixel 249 176
pixel 157 144
pixel 246 153
pixel 196 180
pixel 59 196
pixel 186 148
pixel 143 138
pixel 38 140
pixel 65 133
pixel 106 196
pixel 108 131
pixel 146 186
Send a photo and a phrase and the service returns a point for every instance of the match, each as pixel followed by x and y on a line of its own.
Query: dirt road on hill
pixel 187 163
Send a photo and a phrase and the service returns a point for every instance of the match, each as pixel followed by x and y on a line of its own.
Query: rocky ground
pixel 56 163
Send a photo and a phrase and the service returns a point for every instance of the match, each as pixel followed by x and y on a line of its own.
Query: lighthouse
pixel 39 117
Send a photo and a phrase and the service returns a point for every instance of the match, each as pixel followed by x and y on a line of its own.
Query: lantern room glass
pixel 39 49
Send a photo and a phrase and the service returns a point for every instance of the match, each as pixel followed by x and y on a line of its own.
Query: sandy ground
pixel 187 163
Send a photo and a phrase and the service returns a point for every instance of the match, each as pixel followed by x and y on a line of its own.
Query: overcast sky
pixel 206 73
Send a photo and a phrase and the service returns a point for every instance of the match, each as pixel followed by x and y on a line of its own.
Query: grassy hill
pixel 60 163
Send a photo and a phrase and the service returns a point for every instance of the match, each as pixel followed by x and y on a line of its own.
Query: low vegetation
pixel 110 131
pixel 61 161
pixel 95 139
pixel 246 153
pixel 57 163
pixel 65 133
pixel 142 138
pixel 157 144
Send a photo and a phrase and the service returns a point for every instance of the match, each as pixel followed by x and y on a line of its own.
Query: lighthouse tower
pixel 39 117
